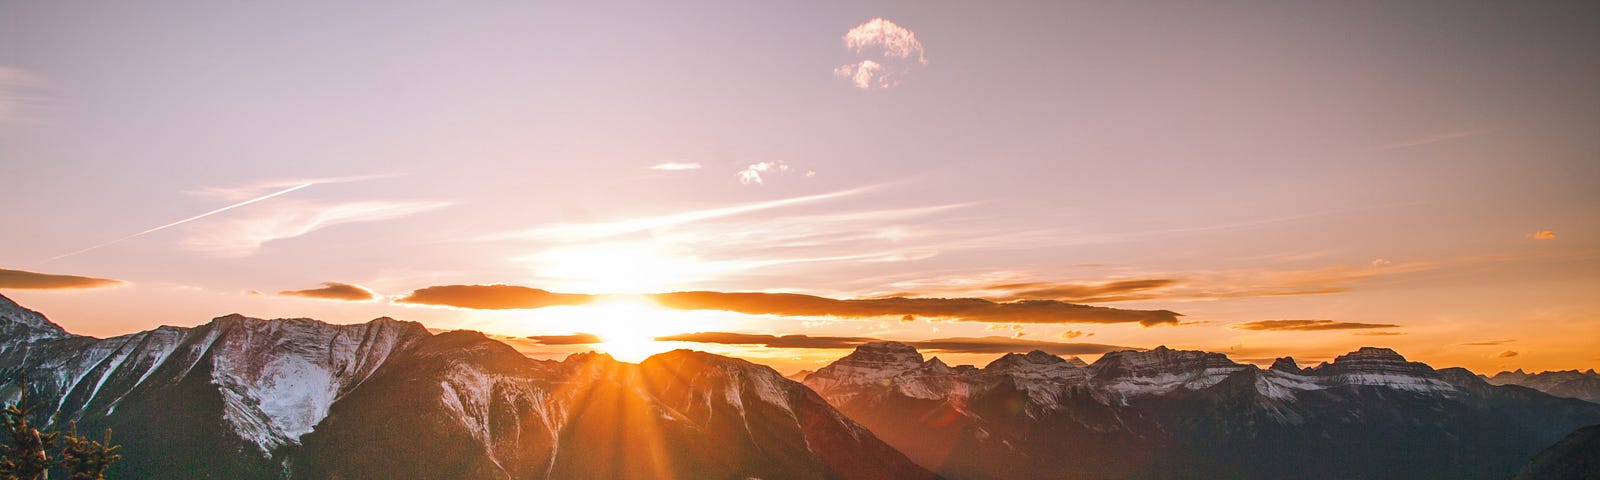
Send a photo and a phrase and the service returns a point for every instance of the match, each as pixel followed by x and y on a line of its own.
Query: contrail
pixel 181 222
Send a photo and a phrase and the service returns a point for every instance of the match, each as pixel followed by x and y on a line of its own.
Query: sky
pixel 783 181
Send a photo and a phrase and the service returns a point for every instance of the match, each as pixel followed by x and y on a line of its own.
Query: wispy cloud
pixel 1490 342
pixel 574 339
pixel 181 222
pixel 244 236
pixel 257 189
pixel 887 52
pixel 25 280
pixel 1506 354
pixel 577 232
pixel 675 166
pixel 1543 235
pixel 1435 138
pixel 1307 325
pixel 334 291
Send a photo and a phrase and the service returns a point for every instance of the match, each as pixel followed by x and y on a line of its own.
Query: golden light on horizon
pixel 629 324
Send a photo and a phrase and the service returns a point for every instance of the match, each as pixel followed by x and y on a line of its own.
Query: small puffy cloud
pixel 1543 235
pixel 671 166
pixel 25 280
pixel 1506 354
pixel 574 339
pixel 880 37
pixel 1379 262
pixel 334 291
pixel 992 344
pixel 886 52
pixel 752 174
pixel 1071 334
pixel 492 297
pixel 959 309
pixel 1307 325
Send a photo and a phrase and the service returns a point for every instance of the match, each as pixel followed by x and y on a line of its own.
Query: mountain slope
pixel 1168 413
pixel 243 398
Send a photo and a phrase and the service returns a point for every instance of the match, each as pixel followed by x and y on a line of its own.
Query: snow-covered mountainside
pixel 1165 413
pixel 1583 385
pixel 245 398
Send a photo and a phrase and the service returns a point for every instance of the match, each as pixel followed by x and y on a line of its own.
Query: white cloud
pixel 244 236
pixel 675 166
pixel 890 51
pixel 580 232
pixel 263 187
pixel 752 173
pixel 882 37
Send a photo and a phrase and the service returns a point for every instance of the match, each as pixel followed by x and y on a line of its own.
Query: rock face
pixel 1167 413
pixel 244 398
pixel 1583 385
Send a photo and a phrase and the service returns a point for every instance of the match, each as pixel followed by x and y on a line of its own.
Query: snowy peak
pixel 868 364
pixel 1036 357
pixel 1583 385
pixel 1380 367
pixel 21 325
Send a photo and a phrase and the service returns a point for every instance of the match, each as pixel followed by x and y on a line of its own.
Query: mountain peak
pixel 19 324
pixel 1285 364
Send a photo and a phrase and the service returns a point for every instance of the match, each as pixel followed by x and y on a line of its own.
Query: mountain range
pixel 245 398
pixel 1583 385
pixel 1166 413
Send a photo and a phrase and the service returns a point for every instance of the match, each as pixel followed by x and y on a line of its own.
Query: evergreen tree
pixel 87 459
pixel 26 453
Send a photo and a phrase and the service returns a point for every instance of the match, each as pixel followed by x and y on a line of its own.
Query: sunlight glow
pixel 632 267
pixel 628 325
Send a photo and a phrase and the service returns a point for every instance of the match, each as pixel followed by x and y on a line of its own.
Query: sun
pixel 629 324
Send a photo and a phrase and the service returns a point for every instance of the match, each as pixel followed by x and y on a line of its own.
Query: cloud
pixel 888 52
pixel 25 280
pixel 1378 334
pixel 864 74
pixel 334 291
pixel 752 174
pixel 1071 334
pixel 248 191
pixel 1102 292
pixel 880 37
pixel 1506 354
pixel 675 166
pixel 942 345
pixel 244 236
pixel 1543 235
pixel 580 232
pixel 492 297
pixel 1307 325
pixel 1490 343
pixel 960 309
pixel 14 84
pixel 574 339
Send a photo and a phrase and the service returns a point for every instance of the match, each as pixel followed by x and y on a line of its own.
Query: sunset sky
pixel 1258 179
